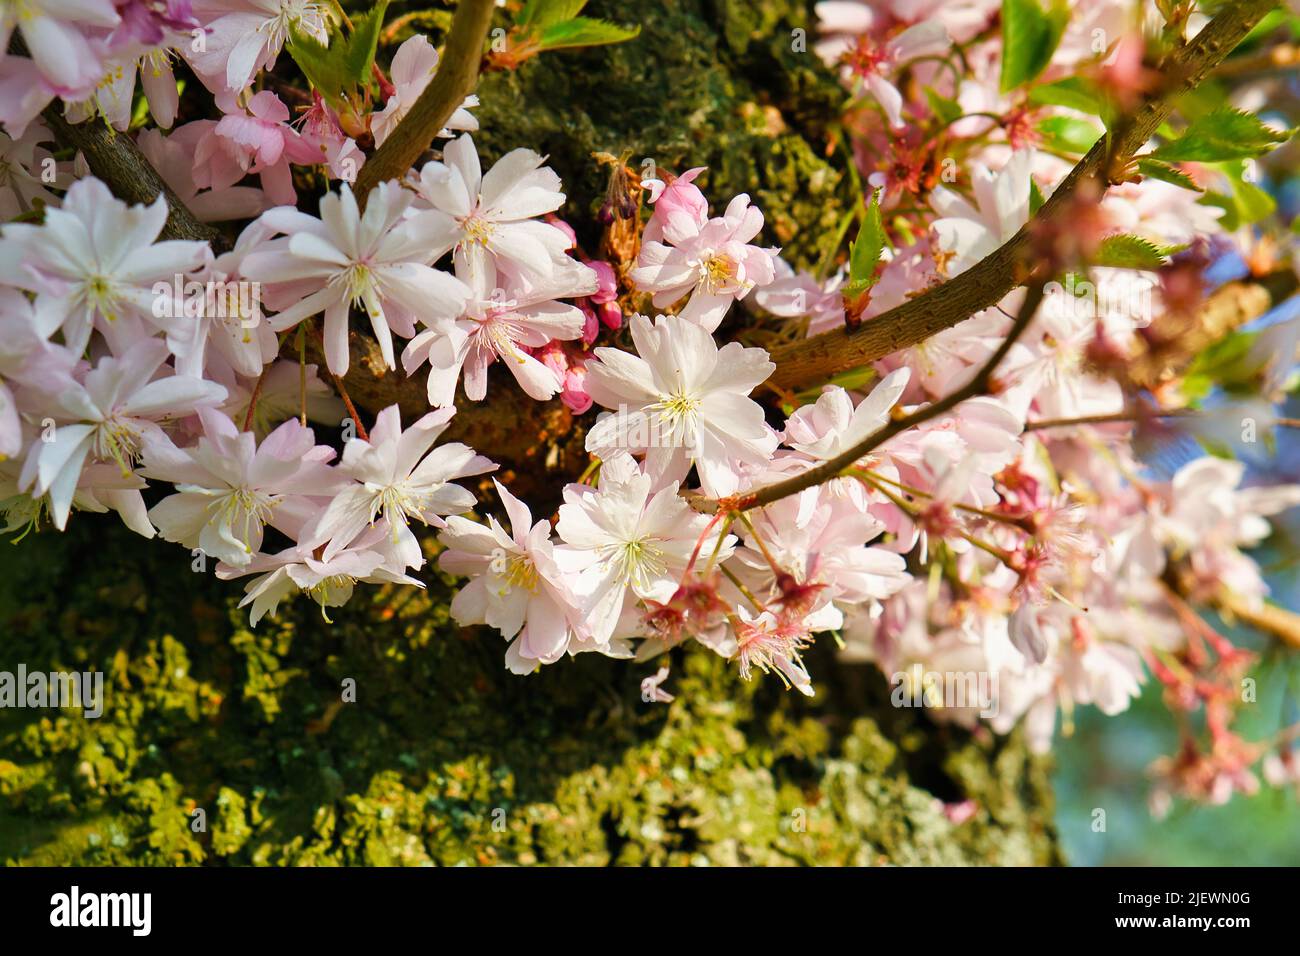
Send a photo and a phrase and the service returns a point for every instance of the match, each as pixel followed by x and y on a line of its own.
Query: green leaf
pixel 323 65
pixel 1245 204
pixel 1131 252
pixel 360 46
pixel 342 69
pixel 1036 199
pixel 336 71
pixel 1223 134
pixel 944 109
pixel 584 31
pixel 542 13
pixel 1030 36
pixel 1253 204
pixel 1226 364
pixel 864 254
pixel 1072 93
pixel 1155 169
pixel 1065 134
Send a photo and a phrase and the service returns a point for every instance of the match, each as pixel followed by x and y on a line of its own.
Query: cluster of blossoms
pixel 1015 535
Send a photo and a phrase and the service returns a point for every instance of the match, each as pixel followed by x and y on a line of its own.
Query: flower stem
pixel 352 411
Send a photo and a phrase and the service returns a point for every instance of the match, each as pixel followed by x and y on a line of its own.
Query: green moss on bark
pixel 445 758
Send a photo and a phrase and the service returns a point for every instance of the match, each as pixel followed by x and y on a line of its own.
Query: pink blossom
pixel 502 324
pixel 515 585
pixel 67 55
pixel 398 473
pixel 242 143
pixel 712 262
pixel 109 417
pixel 229 486
pixel 379 262
pixel 95 264
pixel 173 157
pixel 490 220
pixel 245 37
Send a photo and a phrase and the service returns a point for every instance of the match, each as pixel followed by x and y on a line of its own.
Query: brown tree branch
pixel 115 159
pixel 1223 311
pixel 455 79
pixel 984 285
pixel 1268 618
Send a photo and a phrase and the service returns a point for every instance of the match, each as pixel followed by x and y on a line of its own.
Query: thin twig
pixel 978 385
pixel 302 375
pixel 252 399
pixel 352 410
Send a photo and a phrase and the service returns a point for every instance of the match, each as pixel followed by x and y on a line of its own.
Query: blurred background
pixel 1104 763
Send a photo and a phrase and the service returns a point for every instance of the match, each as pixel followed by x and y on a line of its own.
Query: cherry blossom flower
pixel 327 581
pixel 501 324
pixel 322 141
pixel 253 140
pixel 1209 518
pixel 25 172
pixel 26 360
pixel 245 37
pixel 833 425
pixel 490 219
pixel 229 327
pixel 869 60
pixel 633 540
pixel 516 585
pixel 114 98
pixel 173 157
pixel 682 401
pixel 968 232
pixel 229 487
pixel 396 474
pixel 23 93
pixel 677 199
pixel 57 33
pixel 378 262
pixel 94 265
pixel 713 262
pixel 823 561
pixel 797 294
pixel 765 641
pixel 109 417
